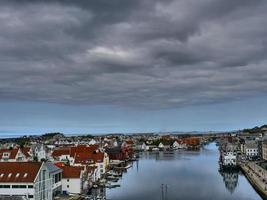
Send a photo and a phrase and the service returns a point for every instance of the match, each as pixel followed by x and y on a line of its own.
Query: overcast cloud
pixel 145 53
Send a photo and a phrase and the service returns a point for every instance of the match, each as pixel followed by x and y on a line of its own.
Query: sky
pixel 127 66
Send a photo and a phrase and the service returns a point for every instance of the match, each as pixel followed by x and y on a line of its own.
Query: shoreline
pixel 255 182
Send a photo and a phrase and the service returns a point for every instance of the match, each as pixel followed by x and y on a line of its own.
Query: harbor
pixel 166 175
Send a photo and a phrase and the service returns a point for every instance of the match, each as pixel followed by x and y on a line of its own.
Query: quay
pixel 256 176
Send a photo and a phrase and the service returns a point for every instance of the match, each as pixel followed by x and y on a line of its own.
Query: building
pixel 12 155
pixel 251 149
pixel 264 150
pixel 72 179
pixel 178 144
pixel 31 180
pixel 39 152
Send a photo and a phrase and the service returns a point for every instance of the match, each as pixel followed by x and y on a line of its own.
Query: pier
pixel 256 176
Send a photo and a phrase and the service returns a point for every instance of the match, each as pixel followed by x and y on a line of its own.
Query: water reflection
pixel 187 174
pixel 230 179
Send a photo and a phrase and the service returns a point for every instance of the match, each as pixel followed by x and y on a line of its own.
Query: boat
pixel 112 178
pixel 113 186
pixel 125 167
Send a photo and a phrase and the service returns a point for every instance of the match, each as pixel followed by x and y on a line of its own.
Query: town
pixel 55 166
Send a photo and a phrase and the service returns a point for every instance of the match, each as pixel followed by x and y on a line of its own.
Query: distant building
pixel 12 155
pixel 264 150
pixel 251 149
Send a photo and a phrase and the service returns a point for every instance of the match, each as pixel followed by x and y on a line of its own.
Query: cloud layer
pixel 151 54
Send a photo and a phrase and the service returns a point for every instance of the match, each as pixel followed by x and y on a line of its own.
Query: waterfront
pixel 187 174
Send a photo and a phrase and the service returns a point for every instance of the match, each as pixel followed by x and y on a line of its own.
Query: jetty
pixel 256 176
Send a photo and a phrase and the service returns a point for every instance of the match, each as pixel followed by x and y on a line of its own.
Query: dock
pixel 254 176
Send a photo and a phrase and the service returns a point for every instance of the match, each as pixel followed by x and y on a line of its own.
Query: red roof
pixel 71 172
pixel 73 151
pixel 59 164
pixel 83 149
pixel 12 152
pixel 25 151
pixel 86 158
pixel 19 172
pixel 60 152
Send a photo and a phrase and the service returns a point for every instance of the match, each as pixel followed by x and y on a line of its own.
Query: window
pixel 17 175
pixel 30 196
pixel 19 186
pixel 4 186
pixel 68 180
pixel 30 186
pixel 25 175
pixel 9 175
pixel 68 186
pixel 6 154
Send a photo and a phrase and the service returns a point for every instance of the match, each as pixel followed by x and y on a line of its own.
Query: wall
pixel 74 185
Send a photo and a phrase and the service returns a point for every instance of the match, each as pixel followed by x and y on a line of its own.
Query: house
pixel 144 147
pixel 163 145
pixel 31 180
pixel 63 155
pixel 72 179
pixel 99 160
pixel 83 155
pixel 264 150
pixel 39 152
pixel 229 159
pixel 178 144
pixel 251 149
pixel 92 142
pixel 12 155
pixel 116 154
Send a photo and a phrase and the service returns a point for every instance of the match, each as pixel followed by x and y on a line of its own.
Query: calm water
pixel 188 175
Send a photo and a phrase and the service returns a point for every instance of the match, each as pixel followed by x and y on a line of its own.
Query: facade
pixel 229 159
pixel 30 180
pixel 39 152
pixel 72 180
pixel 179 145
pixel 264 150
pixel 251 149
pixel 12 155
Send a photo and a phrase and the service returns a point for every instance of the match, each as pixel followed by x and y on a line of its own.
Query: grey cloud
pixel 153 54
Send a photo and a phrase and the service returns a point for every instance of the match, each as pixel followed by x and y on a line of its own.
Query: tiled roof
pixel 19 172
pixel 25 151
pixel 60 152
pixel 73 151
pixel 71 172
pixel 83 149
pixel 12 152
pixel 87 157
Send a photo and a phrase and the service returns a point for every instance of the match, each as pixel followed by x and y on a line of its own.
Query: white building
pixel 92 142
pixel 30 180
pixel 179 145
pixel 229 159
pixel 72 179
pixel 39 152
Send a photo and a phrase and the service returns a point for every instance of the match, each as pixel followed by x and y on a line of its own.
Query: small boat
pixel 113 186
pixel 112 178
